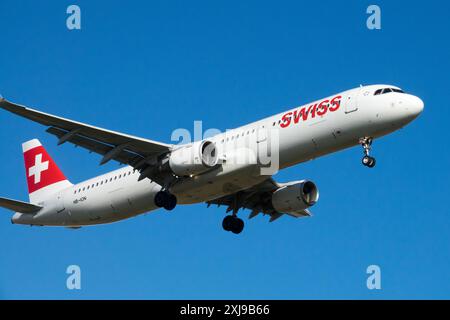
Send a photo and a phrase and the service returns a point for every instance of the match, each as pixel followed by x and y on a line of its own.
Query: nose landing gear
pixel 367 160
pixel 166 200
pixel 233 223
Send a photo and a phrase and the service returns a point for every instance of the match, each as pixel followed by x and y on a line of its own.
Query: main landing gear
pixel 233 223
pixel 367 160
pixel 166 200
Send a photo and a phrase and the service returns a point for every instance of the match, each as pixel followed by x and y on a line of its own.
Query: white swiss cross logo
pixel 38 168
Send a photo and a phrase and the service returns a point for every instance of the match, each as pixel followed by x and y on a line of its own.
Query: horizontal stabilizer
pixel 19 206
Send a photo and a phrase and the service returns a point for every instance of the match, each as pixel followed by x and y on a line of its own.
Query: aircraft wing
pixel 132 150
pixel 257 199
pixel 19 206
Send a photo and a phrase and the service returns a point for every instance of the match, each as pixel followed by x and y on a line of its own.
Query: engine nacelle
pixel 295 197
pixel 194 158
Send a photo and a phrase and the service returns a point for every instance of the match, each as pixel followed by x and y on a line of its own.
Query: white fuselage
pixel 298 136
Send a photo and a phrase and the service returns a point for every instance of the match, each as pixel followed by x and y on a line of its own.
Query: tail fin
pixel 44 178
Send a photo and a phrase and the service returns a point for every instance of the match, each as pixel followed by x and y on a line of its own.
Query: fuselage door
pixel 60 203
pixel 351 103
pixel 261 134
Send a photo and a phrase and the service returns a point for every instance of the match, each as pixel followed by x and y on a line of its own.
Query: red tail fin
pixel 43 175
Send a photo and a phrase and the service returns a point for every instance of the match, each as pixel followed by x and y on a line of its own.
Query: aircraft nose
pixel 414 106
pixel 404 110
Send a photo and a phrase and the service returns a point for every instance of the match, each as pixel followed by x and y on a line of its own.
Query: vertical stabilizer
pixel 44 178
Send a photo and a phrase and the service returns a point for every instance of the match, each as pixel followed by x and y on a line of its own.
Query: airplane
pixel 160 175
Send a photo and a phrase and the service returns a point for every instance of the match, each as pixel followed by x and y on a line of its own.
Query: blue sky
pixel 147 68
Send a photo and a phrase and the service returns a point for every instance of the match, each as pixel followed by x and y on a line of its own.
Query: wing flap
pixel 92 145
pixel 19 206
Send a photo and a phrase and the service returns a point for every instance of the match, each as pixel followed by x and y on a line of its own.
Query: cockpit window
pixel 387 90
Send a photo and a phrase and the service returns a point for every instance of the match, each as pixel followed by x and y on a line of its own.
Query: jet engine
pixel 295 196
pixel 194 159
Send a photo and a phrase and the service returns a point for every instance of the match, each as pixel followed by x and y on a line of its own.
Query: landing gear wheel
pixel 372 162
pixel 238 226
pixel 368 161
pixel 171 202
pixel 160 199
pixel 227 223
pixel 166 200
pixel 233 224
